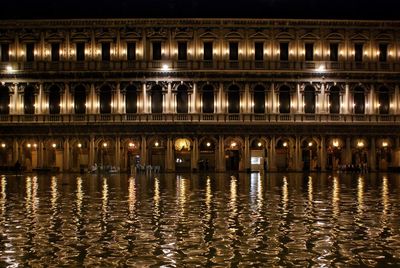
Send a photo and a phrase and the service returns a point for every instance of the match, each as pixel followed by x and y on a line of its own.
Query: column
pixel 371 101
pixel 348 151
pixel 16 155
pixel 372 159
pixel 195 154
pixel 220 167
pixel 221 107
pixel 143 151
pixel 40 155
pixel 246 155
pixel 169 101
pixel 272 98
pixel 91 151
pixel 348 104
pixel 13 99
pixel 118 152
pixel 66 154
pixel 247 108
pixel 193 103
pixel 272 155
pixel 93 107
pixel 170 167
pixel 117 99
pixel 323 154
pixel 297 152
pixel 321 99
pixel 395 102
pixel 298 101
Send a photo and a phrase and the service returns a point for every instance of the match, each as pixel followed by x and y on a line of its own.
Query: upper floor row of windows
pixel 207 51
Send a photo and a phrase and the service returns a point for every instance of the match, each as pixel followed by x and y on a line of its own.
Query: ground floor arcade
pixel 197 153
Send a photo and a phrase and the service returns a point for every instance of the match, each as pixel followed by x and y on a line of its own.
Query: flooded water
pixel 199 220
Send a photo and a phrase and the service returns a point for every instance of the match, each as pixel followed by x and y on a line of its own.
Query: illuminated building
pixel 187 94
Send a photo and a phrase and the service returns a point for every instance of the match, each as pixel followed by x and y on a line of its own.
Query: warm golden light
pixel 131 144
pixel 35 145
pixel 208 144
pixel 54 145
pixel 310 144
pixel 3 145
pixel 233 144
pixel 165 67
pixel 335 143
pixel 79 145
pixel 156 144
pixel 259 144
pixel 284 144
pixel 360 144
pixel 385 144
pixel 105 144
pixel 28 145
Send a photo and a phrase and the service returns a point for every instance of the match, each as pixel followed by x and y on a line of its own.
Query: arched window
pixel 284 100
pixel 54 100
pixel 259 99
pixel 182 100
pixel 384 101
pixel 4 100
pixel 208 99
pixel 334 100
pixel 80 99
pixel 233 99
pixel 156 99
pixel 309 100
pixel 29 100
pixel 105 100
pixel 131 100
pixel 359 100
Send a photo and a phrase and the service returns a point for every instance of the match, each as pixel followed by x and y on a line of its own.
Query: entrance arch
pixel 335 153
pixel 79 154
pixel 182 149
pixel 258 154
pixel 157 148
pixel 284 150
pixel 309 154
pixel 233 153
pixel 131 154
pixel 105 154
pixel 207 155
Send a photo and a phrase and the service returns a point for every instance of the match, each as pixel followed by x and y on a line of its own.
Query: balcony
pixel 121 66
pixel 202 118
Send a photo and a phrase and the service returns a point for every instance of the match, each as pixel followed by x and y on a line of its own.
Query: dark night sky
pixel 333 9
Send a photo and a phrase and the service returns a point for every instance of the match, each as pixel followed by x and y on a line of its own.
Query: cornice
pixel 201 22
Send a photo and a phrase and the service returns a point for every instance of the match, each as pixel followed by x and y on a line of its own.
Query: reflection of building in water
pixel 317 95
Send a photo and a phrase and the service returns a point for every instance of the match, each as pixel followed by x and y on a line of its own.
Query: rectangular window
pixel 30 52
pixel 182 50
pixel 5 50
pixel 383 52
pixel 284 51
pixel 233 51
pixel 55 52
pixel 358 52
pixel 208 51
pixel 309 47
pixel 157 50
pixel 80 51
pixel 334 52
pixel 105 52
pixel 259 51
pixel 131 51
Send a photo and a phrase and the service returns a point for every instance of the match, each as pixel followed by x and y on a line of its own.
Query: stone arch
pixel 233 147
pixel 80 147
pixel 285 148
pixel 105 153
pixel 157 149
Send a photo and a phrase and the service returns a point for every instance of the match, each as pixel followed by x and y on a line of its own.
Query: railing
pixel 315 66
pixel 201 118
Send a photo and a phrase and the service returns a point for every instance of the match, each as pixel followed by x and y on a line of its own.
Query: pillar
pixel 169 101
pixel 66 155
pixel 143 151
pixel 272 155
pixel 170 163
pixel 297 154
pixel 91 151
pixel 40 155
pixel 16 155
pixel 221 155
pixel 246 155
pixel 372 159
pixel 118 152
pixel 195 154
pixel 323 154
pixel 348 151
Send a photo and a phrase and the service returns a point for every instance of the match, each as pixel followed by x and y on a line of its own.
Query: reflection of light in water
pixel 105 196
pixel 182 193
pixel 260 190
pixel 156 195
pixel 336 196
pixel 132 197
pixel 285 193
pixel 310 190
pixel 28 197
pixel 54 193
pixel 253 185
pixel 208 197
pixel 360 194
pixel 233 197
pixel 385 195
pixel 3 195
pixel 35 198
pixel 79 195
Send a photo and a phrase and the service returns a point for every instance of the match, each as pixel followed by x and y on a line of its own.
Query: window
pixel 55 52
pixel 131 99
pixel 284 51
pixel 156 99
pixel 259 51
pixel 334 52
pixel 54 100
pixel 182 100
pixel 309 52
pixel 259 100
pixel 233 51
pixel 80 51
pixel 156 50
pixel 4 100
pixel 105 52
pixel 383 52
pixel 208 99
pixel 30 52
pixel 233 99
pixel 131 51
pixel 309 100
pixel 5 56
pixel 182 50
pixel 359 100
pixel 208 51
pixel 358 52
pixel 284 100
pixel 334 100
pixel 384 101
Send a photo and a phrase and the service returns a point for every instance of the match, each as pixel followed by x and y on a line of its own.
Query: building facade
pixel 194 94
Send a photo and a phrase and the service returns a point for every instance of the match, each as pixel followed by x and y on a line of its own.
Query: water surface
pixel 198 220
